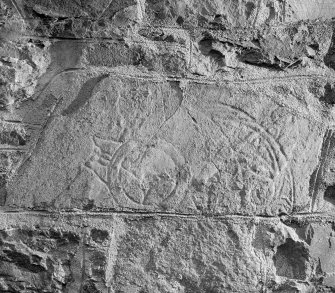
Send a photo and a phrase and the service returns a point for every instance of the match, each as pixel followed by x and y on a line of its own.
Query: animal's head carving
pixel 152 174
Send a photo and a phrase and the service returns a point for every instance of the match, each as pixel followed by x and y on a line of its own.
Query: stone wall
pixel 167 146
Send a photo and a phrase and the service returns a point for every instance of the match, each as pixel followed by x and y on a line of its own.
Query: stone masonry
pixel 167 146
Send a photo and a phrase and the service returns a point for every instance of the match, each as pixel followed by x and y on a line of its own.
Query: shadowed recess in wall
pixel 316 183
pixel 329 194
pixel 291 260
pixel 84 94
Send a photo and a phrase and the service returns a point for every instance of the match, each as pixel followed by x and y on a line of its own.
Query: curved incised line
pixel 261 129
pixel 251 123
pixel 51 79
pixel 274 149
pixel 319 171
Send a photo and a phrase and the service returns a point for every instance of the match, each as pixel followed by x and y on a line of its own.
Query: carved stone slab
pixel 120 143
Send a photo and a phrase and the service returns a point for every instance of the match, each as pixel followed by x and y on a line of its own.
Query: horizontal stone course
pixel 154 253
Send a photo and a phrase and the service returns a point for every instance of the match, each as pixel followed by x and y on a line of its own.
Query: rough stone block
pixel 155 253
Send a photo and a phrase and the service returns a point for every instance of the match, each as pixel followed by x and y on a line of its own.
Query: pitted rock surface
pixel 151 146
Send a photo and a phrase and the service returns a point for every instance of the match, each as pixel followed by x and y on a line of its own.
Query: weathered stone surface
pixel 59 254
pixel 165 254
pixel 231 255
pixel 151 146
pixel 171 146
pixel 75 19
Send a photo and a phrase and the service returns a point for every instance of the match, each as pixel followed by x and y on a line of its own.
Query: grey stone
pixel 151 146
